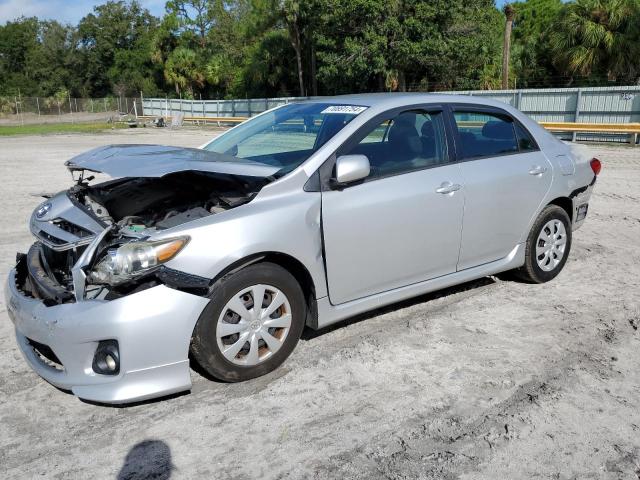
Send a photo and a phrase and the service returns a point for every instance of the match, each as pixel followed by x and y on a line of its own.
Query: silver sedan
pixel 302 216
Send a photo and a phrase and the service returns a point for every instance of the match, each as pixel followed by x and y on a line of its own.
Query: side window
pixel 484 134
pixel 525 142
pixel 378 134
pixel 410 141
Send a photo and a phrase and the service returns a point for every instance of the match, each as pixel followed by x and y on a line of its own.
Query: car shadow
pixel 147 459
pixel 310 334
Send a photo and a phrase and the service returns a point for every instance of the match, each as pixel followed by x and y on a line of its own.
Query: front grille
pixel 72 228
pixel 71 225
pixel 50 239
pixel 45 355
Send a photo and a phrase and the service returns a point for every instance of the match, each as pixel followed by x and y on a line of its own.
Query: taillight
pixel 596 166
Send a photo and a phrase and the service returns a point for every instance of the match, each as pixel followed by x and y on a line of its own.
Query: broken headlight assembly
pixel 133 259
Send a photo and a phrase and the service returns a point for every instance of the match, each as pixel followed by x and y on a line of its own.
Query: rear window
pixel 484 134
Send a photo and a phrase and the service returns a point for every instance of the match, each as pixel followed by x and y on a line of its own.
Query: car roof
pixel 398 99
pixel 380 102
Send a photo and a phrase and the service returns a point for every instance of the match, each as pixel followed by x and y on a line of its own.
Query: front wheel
pixel 252 323
pixel 547 246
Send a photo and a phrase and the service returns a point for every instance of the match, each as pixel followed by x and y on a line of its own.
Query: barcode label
pixel 349 109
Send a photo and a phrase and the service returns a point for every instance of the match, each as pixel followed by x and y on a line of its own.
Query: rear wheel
pixel 251 325
pixel 547 246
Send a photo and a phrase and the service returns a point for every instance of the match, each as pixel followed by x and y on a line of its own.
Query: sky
pixel 65 11
pixel 71 11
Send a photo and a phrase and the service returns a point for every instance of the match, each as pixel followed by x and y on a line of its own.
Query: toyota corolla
pixel 300 217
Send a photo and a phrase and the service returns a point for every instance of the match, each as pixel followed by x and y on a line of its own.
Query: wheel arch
pixel 294 266
pixel 566 204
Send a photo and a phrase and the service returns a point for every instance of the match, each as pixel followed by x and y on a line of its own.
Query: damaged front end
pixel 97 241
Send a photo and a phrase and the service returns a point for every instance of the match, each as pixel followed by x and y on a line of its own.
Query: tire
pixel 540 267
pixel 256 328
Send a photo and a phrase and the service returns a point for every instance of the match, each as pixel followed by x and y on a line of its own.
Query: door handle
pixel 537 170
pixel 448 187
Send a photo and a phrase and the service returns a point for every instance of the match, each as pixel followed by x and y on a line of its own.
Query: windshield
pixel 285 137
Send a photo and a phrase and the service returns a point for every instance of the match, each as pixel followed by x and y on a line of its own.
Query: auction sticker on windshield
pixel 351 109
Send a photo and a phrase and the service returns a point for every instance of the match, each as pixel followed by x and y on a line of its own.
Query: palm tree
pixel 598 37
pixel 183 70
pixel 510 14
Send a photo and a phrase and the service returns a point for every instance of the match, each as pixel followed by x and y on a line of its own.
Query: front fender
pixel 288 224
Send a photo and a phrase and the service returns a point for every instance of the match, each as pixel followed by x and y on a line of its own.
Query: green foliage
pixel 269 70
pixel 532 58
pixel 52 128
pixel 598 37
pixel 256 48
pixel 115 49
pixel 381 44
pixel 183 69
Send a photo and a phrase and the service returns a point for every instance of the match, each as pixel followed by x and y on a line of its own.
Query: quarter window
pixel 484 134
pixel 525 142
pixel 410 141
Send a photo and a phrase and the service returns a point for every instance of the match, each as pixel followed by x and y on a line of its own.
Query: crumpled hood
pixel 160 160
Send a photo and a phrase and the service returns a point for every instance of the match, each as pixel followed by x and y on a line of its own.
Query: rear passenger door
pixel 506 177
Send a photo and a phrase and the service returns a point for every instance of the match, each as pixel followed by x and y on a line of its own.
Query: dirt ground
pixel 490 380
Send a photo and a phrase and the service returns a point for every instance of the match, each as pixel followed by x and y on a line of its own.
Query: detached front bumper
pixel 152 327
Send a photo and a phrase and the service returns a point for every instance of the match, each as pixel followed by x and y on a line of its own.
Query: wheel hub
pixel 551 244
pixel 253 325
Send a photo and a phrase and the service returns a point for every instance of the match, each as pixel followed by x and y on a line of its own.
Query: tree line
pixel 260 48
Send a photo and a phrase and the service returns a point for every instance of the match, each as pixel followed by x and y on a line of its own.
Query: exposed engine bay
pixel 137 204
pixel 132 210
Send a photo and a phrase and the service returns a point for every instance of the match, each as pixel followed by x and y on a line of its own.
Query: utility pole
pixel 314 79
pixel 70 108
pixel 510 13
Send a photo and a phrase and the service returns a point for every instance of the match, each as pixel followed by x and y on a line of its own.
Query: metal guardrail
pixel 198 120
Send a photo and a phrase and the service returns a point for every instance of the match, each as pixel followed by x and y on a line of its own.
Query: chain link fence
pixel 33 110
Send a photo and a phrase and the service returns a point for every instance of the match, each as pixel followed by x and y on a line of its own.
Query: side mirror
pixel 351 168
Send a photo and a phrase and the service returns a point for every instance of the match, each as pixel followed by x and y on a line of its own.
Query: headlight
pixel 135 258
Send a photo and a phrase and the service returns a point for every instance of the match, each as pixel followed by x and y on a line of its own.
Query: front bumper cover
pixel 153 328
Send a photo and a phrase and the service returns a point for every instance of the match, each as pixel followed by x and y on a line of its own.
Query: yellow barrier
pixel 592 127
pixel 632 129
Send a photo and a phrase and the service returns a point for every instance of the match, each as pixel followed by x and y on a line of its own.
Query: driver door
pixel 398 226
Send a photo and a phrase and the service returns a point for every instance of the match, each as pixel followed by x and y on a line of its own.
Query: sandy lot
pixel 493 379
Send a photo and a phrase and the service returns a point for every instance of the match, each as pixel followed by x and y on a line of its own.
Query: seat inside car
pixel 501 135
pixel 495 137
pixel 428 139
pixel 404 140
